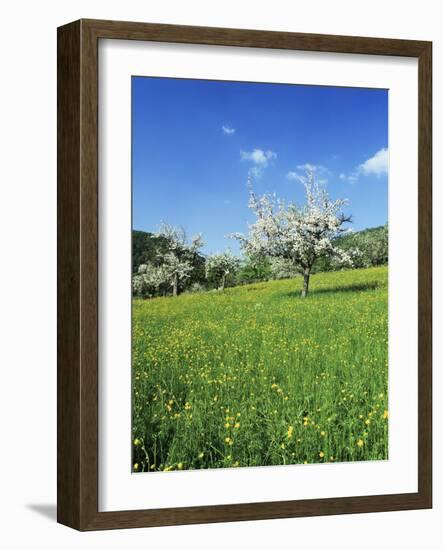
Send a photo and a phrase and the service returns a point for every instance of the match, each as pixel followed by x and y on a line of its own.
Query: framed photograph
pixel 244 274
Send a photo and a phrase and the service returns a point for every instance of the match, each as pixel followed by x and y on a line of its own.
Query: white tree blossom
pixel 149 279
pixel 177 240
pixel 176 270
pixel 298 234
pixel 219 266
pixel 176 261
pixel 282 268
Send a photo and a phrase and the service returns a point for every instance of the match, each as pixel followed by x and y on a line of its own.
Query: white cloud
pixel 229 130
pixel 351 178
pixel 318 168
pixel 299 174
pixel 293 175
pixel 377 164
pixel 258 156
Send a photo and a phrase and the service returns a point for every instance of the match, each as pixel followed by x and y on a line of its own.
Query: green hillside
pixel 256 375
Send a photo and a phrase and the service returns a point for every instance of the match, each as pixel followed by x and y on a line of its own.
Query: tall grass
pixel 256 375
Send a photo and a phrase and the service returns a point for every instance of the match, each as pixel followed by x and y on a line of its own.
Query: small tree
pixel 177 260
pixel 219 266
pixel 175 271
pixel 374 246
pixel 299 234
pixel 149 280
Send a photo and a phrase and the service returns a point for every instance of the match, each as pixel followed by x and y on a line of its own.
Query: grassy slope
pixel 256 375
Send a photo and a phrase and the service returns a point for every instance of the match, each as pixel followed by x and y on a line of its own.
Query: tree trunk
pixel 223 281
pixel 175 286
pixel 306 275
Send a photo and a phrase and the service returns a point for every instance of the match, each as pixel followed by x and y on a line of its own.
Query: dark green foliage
pixel 371 244
pixel 213 281
pixel 145 248
pixel 198 274
pixel 254 270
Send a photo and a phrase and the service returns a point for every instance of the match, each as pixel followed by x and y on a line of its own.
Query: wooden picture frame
pixel 78 244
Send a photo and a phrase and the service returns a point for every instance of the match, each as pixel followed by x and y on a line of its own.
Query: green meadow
pixel 255 375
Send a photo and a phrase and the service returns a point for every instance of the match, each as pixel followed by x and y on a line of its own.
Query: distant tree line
pixel 370 248
pixel 155 270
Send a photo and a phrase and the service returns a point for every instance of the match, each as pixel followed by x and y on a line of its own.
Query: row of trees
pixel 285 240
pixel 177 260
pixel 170 274
pixel 172 265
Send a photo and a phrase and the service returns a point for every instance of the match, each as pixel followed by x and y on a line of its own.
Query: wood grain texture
pixel 68 276
pixel 254 38
pixel 425 273
pixel 77 453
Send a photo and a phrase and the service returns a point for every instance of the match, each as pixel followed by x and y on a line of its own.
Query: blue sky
pixel 195 141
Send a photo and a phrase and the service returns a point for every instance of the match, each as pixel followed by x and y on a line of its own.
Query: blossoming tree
pixel 282 268
pixel 300 234
pixel 175 260
pixel 219 266
pixel 149 279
